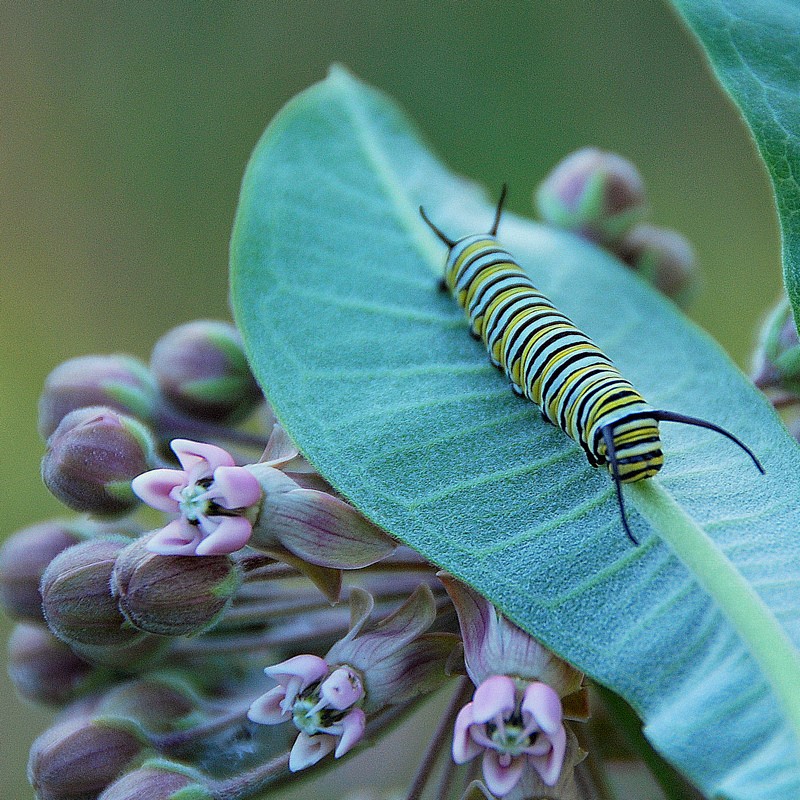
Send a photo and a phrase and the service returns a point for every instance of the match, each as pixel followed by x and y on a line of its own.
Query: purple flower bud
pixel 663 257
pixel 156 702
pixel 23 559
pixel 78 758
pixel 43 669
pixel 117 381
pixel 313 525
pixel 76 595
pixel 201 368
pixel 158 780
pixel 133 658
pixel 598 195
pixel 93 456
pixel 172 595
pixel 777 360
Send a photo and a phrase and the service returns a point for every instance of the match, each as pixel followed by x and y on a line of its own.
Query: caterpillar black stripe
pixel 549 361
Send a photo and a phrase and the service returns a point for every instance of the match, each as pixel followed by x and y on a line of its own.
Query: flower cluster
pixel 203 551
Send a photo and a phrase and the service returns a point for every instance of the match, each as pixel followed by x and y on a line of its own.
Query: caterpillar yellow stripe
pixel 548 360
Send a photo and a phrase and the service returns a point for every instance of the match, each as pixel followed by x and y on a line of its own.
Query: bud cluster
pixel 776 364
pixel 601 197
pixel 107 419
pixel 152 633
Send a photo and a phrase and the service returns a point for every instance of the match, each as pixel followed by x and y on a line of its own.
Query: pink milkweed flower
pixel 516 725
pixel 320 699
pixel 212 495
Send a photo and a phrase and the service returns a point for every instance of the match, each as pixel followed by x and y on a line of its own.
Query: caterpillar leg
pixel 441 285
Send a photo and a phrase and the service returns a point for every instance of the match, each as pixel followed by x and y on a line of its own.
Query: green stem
pixel 752 619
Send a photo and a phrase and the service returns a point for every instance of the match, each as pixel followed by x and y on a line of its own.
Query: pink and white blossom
pixel 320 700
pixel 212 496
pixel 516 725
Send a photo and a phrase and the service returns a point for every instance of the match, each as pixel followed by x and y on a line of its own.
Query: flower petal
pixel 229 536
pixel 154 487
pixel 200 459
pixel 543 704
pixel 235 487
pixel 307 667
pixel 464 748
pixel 549 766
pixel 307 750
pixel 341 689
pixel 495 695
pixel 266 710
pixel 502 779
pixel 178 538
pixel 353 723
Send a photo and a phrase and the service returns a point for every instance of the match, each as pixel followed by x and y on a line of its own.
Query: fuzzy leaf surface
pixel 754 50
pixel 372 372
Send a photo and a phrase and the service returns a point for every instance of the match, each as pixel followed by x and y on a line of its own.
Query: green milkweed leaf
pixel 753 49
pixel 372 372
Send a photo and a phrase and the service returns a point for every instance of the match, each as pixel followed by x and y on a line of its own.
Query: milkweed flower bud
pixel 42 668
pixel 201 369
pixel 23 558
pixel 172 595
pixel 116 381
pixel 777 361
pixel 663 257
pixel 134 657
pixel 78 758
pixel 76 595
pixel 91 458
pixel 595 194
pixel 155 702
pixel 316 526
pixel 159 780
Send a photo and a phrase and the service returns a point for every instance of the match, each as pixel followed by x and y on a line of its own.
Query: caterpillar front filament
pixel 551 362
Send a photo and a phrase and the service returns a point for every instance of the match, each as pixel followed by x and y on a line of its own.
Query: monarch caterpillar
pixel 549 361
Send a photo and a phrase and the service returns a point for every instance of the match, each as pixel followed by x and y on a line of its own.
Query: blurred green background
pixel 125 129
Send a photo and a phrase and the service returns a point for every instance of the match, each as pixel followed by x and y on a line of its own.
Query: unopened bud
pixel 117 381
pixel 76 595
pixel 42 668
pixel 663 257
pixel 139 655
pixel 78 758
pixel 93 456
pixel 777 361
pixel 156 703
pixel 172 595
pixel 23 559
pixel 201 368
pixel 595 194
pixel 158 781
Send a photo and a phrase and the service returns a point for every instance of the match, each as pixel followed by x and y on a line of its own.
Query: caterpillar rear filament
pixel 549 361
